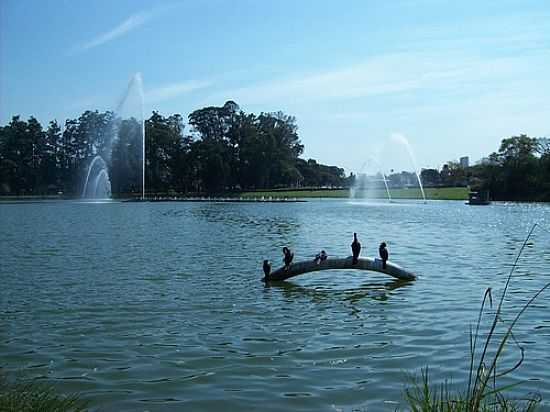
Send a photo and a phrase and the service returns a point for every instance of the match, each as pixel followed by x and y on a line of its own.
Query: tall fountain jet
pixel 119 165
pixel 131 106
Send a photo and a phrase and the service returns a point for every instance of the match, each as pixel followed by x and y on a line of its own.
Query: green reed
pixel 484 393
pixel 32 396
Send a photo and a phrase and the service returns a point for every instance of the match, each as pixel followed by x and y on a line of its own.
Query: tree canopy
pixel 225 149
pixel 519 170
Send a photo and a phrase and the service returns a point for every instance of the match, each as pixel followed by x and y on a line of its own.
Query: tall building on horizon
pixel 464 161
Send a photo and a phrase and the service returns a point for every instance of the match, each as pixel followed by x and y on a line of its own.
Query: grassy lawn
pixel 439 193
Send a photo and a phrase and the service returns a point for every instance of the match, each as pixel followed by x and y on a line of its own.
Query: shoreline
pixel 432 193
pixel 443 193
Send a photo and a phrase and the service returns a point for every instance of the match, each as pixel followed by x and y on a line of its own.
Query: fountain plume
pixel 399 138
pixel 368 183
pixel 99 187
pixel 123 152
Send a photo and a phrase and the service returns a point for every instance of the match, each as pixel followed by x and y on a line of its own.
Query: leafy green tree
pixel 453 174
pixel 183 178
pixel 163 140
pixel 66 157
pixel 21 157
pixel 282 147
pixel 247 156
pixel 125 166
pixel 544 177
pixel 50 162
pixel 213 123
pixel 8 167
pixel 430 177
pixel 517 158
pixel 212 168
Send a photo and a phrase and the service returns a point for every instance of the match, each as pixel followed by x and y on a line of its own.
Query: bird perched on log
pixel 383 252
pixel 320 257
pixel 355 248
pixel 267 268
pixel 287 257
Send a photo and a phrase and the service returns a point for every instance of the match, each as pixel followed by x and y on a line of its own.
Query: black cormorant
pixel 355 248
pixel 383 254
pixel 267 268
pixel 320 257
pixel 288 256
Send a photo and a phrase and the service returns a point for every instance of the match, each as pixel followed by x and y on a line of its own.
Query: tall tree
pixel 163 138
pixel 517 157
pixel 125 163
pixel 279 134
pixel 50 163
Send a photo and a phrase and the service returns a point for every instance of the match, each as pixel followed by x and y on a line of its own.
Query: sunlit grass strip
pixel 483 393
pixel 434 193
pixel 31 397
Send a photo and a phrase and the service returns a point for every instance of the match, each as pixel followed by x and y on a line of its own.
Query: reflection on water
pixel 376 291
pixel 386 203
pixel 159 306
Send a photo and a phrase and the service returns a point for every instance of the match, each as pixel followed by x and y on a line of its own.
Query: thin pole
pixel 143 153
pixel 143 145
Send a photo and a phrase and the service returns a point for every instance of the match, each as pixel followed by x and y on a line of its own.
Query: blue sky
pixel 452 77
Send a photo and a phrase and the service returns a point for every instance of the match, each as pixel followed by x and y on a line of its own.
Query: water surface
pixel 160 307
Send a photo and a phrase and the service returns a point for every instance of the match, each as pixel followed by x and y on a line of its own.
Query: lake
pixel 160 306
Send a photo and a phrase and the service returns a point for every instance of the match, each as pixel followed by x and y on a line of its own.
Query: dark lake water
pixel 160 307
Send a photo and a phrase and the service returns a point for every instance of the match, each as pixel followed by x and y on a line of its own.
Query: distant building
pixel 464 162
pixel 403 179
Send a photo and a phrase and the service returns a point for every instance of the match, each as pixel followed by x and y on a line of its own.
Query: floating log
pixel 371 264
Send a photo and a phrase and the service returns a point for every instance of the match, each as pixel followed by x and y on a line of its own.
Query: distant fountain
pixel 369 183
pixel 120 162
pixel 364 181
pixel 386 185
pixel 399 138
pixel 99 186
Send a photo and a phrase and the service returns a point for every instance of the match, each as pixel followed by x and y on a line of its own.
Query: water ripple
pixel 159 306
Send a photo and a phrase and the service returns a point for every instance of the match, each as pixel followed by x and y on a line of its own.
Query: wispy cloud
pixel 413 75
pixel 75 105
pixel 444 59
pixel 368 78
pixel 172 90
pixel 131 23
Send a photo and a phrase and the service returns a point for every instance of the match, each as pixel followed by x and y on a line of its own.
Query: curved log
pixel 375 265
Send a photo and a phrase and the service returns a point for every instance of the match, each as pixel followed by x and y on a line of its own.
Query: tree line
pixel 519 170
pixel 225 150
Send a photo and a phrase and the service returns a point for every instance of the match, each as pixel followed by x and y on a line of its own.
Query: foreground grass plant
pixel 32 396
pixel 484 393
